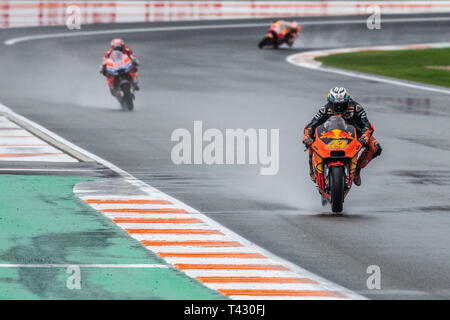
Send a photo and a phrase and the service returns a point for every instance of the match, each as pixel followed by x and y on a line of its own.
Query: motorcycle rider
pixel 119 44
pixel 340 104
pixel 287 31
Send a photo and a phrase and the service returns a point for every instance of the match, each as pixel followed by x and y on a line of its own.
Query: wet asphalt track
pixel 399 219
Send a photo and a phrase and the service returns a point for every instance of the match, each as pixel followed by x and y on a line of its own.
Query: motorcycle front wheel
pixel 264 42
pixel 337 180
pixel 127 99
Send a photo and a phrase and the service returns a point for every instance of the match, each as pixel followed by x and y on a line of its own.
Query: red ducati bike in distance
pixel 335 154
pixel 119 65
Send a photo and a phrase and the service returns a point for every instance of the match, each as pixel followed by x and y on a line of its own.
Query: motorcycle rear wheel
pixel 337 188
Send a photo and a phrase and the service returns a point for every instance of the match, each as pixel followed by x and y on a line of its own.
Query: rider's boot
pixel 363 160
pixel 312 175
pixel 357 177
pixel 135 84
pixel 134 80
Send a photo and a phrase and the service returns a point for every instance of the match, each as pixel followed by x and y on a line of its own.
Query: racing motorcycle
pixel 275 39
pixel 335 154
pixel 119 66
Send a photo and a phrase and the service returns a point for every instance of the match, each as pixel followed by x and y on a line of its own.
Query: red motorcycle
pixel 276 36
pixel 119 65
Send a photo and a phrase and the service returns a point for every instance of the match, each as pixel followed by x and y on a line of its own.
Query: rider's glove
pixel 363 141
pixel 308 141
pixel 134 60
pixel 103 69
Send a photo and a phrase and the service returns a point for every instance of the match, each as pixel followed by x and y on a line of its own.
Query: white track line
pixel 151 215
pixel 44 169
pixel 13 41
pixel 190 249
pixel 307 60
pixel 156 226
pixel 15 145
pixel 241 273
pixel 265 286
pixel 220 261
pixel 180 237
pixel 278 298
pixel 106 206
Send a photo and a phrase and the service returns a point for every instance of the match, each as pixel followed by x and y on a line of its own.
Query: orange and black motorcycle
pixel 335 153
pixel 275 36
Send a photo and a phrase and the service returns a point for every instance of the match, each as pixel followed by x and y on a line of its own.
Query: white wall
pixel 43 13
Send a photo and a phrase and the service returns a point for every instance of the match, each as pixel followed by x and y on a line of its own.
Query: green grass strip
pixel 402 64
pixel 43 222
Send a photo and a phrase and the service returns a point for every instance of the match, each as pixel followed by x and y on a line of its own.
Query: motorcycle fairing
pixel 118 63
pixel 336 142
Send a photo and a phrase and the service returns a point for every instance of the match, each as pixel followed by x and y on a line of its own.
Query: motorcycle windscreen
pixel 118 62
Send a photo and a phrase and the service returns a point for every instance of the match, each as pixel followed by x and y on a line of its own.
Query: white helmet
pixel 338 97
